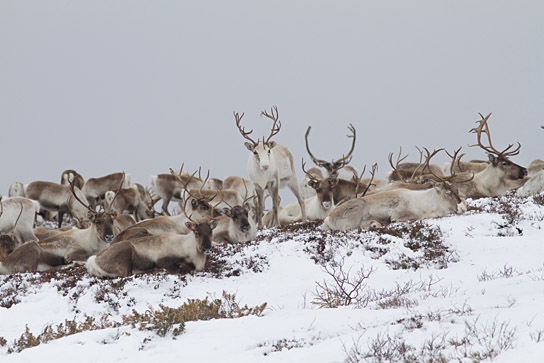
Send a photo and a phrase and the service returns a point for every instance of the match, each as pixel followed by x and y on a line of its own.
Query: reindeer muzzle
pixel 108 238
pixel 246 228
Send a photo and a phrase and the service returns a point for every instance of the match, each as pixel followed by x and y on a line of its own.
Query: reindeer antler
pixel 484 128
pixel 72 189
pixel 334 165
pixel 242 130
pixel 452 176
pixel 276 126
pixel 396 165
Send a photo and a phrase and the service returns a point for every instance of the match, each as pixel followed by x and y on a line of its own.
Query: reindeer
pixel 535 167
pixel 306 190
pixel 157 251
pixel 16 189
pixel 345 187
pixel 317 207
pixel 130 201
pixel 59 198
pixel 168 187
pixel 410 172
pixel 245 189
pixel 70 176
pixel 235 225
pixel 270 167
pixel 195 203
pixel 339 167
pixel 17 216
pixel 95 189
pixel 431 200
pixel 500 174
pixel 62 249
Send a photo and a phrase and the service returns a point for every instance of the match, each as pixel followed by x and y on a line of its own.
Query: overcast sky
pixel 144 86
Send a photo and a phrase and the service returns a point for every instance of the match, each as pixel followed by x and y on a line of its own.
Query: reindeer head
pixel 499 160
pixel 262 150
pixel 324 188
pixel 203 234
pixel 102 220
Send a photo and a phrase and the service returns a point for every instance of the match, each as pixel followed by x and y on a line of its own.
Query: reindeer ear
pixel 249 146
pixel 213 223
pixel 90 214
pixel 271 144
pixel 333 181
pixel 312 183
pixel 189 225
pixel 493 159
pixel 227 211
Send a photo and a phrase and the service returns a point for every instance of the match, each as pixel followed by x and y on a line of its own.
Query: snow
pixel 483 295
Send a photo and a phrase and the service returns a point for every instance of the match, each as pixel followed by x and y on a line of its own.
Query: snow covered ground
pixel 462 288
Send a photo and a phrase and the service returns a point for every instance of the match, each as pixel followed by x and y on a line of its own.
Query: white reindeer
pixel 270 167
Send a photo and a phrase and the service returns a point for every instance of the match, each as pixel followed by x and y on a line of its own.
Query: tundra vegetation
pixel 395 223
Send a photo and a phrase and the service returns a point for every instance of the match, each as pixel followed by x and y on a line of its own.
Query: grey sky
pixel 144 86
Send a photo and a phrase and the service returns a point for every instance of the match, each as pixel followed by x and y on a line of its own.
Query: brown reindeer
pixel 429 200
pixel 95 189
pixel 500 174
pixel 168 187
pixel 59 199
pixel 340 166
pixel 159 251
pixel 62 249
pixel 134 200
pixel 71 176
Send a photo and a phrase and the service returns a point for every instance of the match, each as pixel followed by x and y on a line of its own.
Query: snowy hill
pixel 463 288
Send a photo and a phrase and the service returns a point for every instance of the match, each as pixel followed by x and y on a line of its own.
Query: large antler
pixel 334 165
pixel 484 128
pixel 396 165
pixel 276 126
pixel 309 175
pixel 242 130
pixel 72 189
pixel 455 158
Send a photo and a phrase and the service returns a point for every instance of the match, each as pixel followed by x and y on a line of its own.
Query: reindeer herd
pixel 114 229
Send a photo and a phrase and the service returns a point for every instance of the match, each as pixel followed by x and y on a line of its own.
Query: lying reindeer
pixel 161 251
pixel 429 200
pixel 196 203
pixel 64 248
pixel 235 225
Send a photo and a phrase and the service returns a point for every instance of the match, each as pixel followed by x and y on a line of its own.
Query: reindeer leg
pixel 274 193
pixel 260 206
pixel 295 188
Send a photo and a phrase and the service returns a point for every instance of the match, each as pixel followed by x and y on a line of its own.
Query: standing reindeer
pixel 95 189
pixel 270 167
pixel 58 198
pixel 71 176
pixel 168 187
